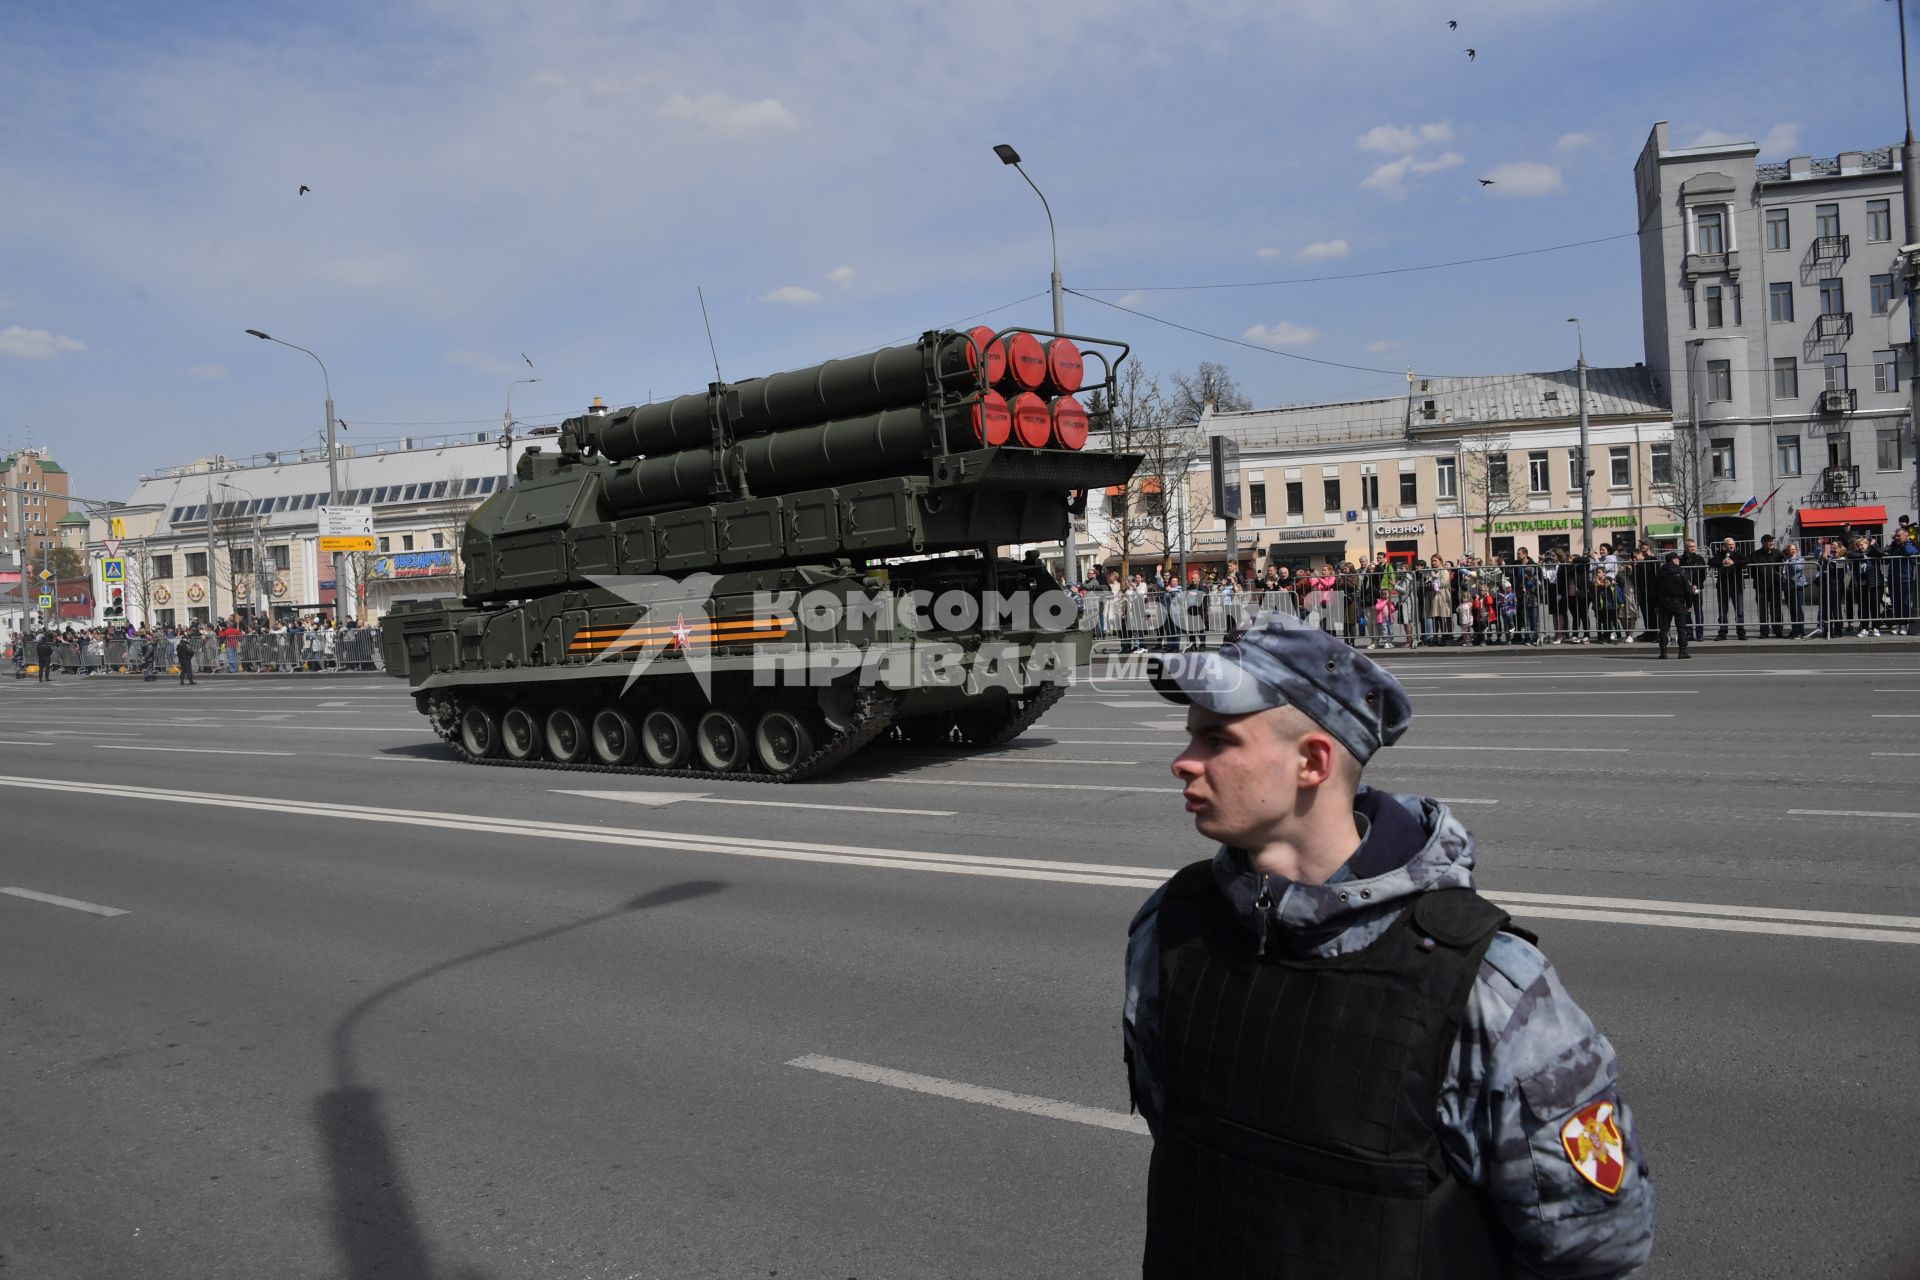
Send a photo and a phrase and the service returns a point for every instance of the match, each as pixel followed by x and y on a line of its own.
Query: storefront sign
pixel 1721 509
pixel 413 564
pixel 1563 522
pixel 1312 533
pixel 1399 530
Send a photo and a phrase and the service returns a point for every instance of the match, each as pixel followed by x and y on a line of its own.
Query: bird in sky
pixel 1453 24
pixel 304 189
pixel 1486 182
pixel 1471 54
pixel 523 356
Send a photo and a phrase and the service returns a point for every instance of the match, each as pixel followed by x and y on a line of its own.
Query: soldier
pixel 43 653
pixel 184 651
pixel 1352 1064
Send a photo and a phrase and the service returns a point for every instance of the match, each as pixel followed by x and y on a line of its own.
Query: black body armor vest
pixel 1298 1137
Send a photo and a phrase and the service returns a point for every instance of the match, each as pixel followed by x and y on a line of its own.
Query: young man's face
pixel 1240 775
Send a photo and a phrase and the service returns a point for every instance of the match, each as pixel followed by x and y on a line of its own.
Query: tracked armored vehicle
pixel 758 581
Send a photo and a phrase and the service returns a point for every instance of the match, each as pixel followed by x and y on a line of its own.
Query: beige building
pixel 34 500
pixel 1458 465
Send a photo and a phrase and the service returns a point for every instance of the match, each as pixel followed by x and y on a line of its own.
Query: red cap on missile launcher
pixel 1069 423
pixel 992 421
pixel 1026 362
pixel 1032 424
pixel 1066 371
pixel 992 349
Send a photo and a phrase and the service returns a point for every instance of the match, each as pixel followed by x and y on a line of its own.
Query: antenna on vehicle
pixel 710 347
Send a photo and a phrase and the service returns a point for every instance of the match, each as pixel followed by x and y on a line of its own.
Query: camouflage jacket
pixel 1529 1066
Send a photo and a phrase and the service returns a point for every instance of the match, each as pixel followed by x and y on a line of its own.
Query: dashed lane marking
pixel 188 751
pixel 657 798
pixel 55 900
pixel 1848 813
pixel 1408 746
pixel 1023 1103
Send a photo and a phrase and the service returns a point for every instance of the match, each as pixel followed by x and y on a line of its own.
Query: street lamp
pixel 1008 156
pixel 1586 476
pixel 506 425
pixel 333 465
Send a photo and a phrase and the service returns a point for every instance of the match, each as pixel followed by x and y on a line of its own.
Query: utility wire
pixel 1358 275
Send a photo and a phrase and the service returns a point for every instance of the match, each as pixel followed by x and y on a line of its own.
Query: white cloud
pixel 1131 300
pixel 725 114
pixel 481 362
pixel 1391 176
pixel 1323 251
pixel 1525 180
pixel 1715 138
pixel 1572 142
pixel 1450 160
pixel 1393 138
pixel 1383 344
pixel 212 372
pixel 1269 251
pixel 840 277
pixel 36 344
pixel 1280 333
pixel 791 294
pixel 1780 140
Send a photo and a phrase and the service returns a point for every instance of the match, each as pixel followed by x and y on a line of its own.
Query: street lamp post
pixel 1008 156
pixel 1910 255
pixel 333 465
pixel 506 425
pixel 1586 475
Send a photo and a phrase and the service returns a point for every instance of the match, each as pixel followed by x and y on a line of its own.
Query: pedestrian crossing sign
pixel 46 602
pixel 113 570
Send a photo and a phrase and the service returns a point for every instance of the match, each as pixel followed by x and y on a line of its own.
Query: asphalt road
pixel 372 1012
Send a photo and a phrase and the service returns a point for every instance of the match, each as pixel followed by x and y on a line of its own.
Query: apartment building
pixel 1774 318
pixel 34 500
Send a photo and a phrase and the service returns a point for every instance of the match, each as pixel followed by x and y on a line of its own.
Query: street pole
pixel 333 463
pixel 1586 471
pixel 506 426
pixel 1910 255
pixel 213 577
pixel 1008 156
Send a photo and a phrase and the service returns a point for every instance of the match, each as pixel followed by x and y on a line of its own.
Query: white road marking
pixel 1848 813
pixel 1178 726
pixel 1024 1103
pixel 1557 693
pixel 1722 926
pixel 1069 786
pixel 676 797
pixel 90 733
pixel 1136 706
pixel 1408 746
pixel 1028 757
pixel 23 742
pixel 1902 754
pixel 54 899
pixel 1896 715
pixel 190 751
pixel 1548 715
pixel 1659 907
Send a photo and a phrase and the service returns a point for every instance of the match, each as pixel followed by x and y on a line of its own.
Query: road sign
pixel 112 546
pixel 113 570
pixel 46 601
pixel 46 575
pixel 346 529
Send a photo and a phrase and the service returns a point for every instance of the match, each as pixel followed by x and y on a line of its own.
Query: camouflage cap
pixel 1279 661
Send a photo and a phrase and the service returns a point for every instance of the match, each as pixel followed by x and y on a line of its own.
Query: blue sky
pixel 493 178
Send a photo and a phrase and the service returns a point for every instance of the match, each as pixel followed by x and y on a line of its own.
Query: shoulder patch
pixel 1516 959
pixel 1595 1147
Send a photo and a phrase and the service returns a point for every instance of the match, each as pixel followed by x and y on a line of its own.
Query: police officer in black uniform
pixel 1353 1066
pixel 1673 600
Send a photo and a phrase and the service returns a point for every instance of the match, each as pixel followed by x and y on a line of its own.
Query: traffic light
pixel 116 607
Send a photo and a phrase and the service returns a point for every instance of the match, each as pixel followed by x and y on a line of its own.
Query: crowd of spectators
pixel 288 643
pixel 1844 586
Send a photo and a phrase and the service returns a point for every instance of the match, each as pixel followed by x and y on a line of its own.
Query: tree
pixel 1210 383
pixel 1487 480
pixel 65 562
pixel 1685 492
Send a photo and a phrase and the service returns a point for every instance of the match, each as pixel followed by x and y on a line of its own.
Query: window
pixel 1575 481
pixel 1733 290
pixel 1786 378
pixel 163 566
pixel 385 543
pixel 1446 480
pixel 1879 220
pixel 1881 290
pixel 1780 302
pixel 440 489
pixel 412 490
pixel 196 564
pixel 1331 495
pixel 1826 220
pixel 1693 319
pixel 1497 476
pixel 1296 498
pixel 1660 464
pixel 1886 371
pixel 1719 380
pixel 1777 236
pixel 173 517
pixel 439 541
pixel 1833 297
pixel 1409 489
pixel 1787 453
pixel 280 557
pixel 242 560
pixel 1888 456
pixel 310 501
pixel 1720 459
pixel 1840 451
pixel 1370 492
pixel 1537 481
pixel 1620 466
pixel 1716 317
pixel 486 485
pixel 1835 370
pixel 197 613
pixel 1117 505
pixel 406 542
pixel 1256 504
pixel 163 616
pixel 1710 232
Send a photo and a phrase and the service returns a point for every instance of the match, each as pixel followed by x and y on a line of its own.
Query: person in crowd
pixel 1794 577
pixel 1903 574
pixel 1606 605
pixel 1866 588
pixel 1506 605
pixel 1694 565
pixel 1439 602
pixel 1553 582
pixel 1765 568
pixel 184 650
pixel 1834 589
pixel 1404 1016
pixel 43 654
pixel 1580 597
pixel 1527 586
pixel 1673 595
pixel 1730 563
pixel 17 650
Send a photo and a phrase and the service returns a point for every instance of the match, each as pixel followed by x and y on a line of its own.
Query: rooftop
pixel 1802 168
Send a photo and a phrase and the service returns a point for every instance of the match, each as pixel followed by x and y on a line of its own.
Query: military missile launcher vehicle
pixel 759 580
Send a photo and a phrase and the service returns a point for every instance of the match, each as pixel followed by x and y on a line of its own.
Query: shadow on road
pixel 374 1226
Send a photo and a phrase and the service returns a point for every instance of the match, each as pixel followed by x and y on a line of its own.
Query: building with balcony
pixel 33 501
pixel 1774 319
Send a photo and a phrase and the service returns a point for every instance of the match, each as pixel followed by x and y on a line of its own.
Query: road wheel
pixel 781 741
pixel 664 739
pixel 721 741
pixel 566 736
pixel 520 735
pixel 479 732
pixel 613 738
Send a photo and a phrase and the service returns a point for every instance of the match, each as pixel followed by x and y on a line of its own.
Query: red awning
pixel 1834 517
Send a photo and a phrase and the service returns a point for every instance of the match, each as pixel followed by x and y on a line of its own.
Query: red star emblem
pixel 681 631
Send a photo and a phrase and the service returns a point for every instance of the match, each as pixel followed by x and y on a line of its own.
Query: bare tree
pixel 1209 384
pixel 1139 415
pixel 1684 493
pixel 1487 480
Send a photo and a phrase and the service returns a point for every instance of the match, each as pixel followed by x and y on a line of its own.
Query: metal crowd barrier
pixel 351 649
